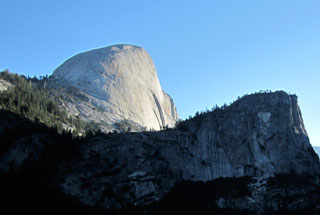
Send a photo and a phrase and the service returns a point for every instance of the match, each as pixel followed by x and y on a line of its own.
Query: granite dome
pixel 122 83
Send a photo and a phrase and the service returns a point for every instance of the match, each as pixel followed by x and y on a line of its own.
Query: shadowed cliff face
pixel 259 135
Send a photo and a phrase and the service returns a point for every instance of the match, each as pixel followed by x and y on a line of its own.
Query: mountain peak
pixel 122 82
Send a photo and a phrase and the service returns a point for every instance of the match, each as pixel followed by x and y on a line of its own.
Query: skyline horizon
pixel 204 109
pixel 205 52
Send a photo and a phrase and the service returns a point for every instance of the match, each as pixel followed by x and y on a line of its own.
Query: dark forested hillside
pixel 214 163
pixel 31 98
pixel 32 156
pixel 27 185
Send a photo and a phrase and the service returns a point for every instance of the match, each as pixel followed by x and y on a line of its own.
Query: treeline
pixel 30 98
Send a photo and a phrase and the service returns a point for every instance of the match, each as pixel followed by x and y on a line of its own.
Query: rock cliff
pixel 259 136
pixel 4 85
pixel 117 84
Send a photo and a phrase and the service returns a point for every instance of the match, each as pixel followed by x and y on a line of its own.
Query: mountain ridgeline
pixel 100 136
pixel 253 156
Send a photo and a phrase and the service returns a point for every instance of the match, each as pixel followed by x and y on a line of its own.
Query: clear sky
pixel 206 52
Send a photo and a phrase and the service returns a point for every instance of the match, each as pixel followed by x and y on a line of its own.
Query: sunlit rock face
pixel 118 82
pixel 4 85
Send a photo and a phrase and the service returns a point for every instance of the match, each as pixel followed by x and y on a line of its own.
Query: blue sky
pixel 206 52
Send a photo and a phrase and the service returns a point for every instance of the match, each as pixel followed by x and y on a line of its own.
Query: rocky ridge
pixel 259 136
pixel 115 86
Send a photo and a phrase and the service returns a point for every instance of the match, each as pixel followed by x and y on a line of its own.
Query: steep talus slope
pixel 116 83
pixel 259 135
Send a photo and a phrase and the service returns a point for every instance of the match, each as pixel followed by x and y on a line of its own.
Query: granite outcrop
pixel 116 86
